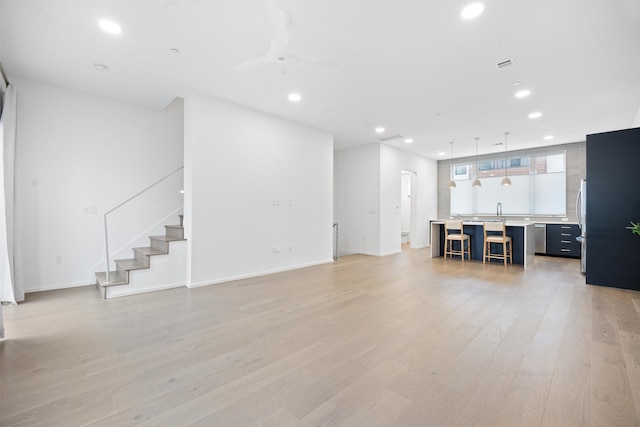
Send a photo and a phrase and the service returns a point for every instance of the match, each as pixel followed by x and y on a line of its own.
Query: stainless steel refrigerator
pixel 581 214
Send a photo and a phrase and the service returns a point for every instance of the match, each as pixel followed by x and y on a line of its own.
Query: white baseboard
pixel 372 253
pixel 56 287
pixel 390 253
pixel 419 247
pixel 262 273
pixel 365 253
pixel 126 293
pixel 345 252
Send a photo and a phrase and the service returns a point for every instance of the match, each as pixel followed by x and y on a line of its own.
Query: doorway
pixel 407 207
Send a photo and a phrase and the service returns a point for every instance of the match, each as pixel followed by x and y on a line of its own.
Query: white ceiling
pixel 412 66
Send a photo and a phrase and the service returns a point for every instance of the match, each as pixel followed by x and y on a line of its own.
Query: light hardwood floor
pixel 395 341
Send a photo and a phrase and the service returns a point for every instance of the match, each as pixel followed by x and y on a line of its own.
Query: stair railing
pixel 135 196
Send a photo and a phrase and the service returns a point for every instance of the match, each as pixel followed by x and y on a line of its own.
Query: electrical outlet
pixel 275 250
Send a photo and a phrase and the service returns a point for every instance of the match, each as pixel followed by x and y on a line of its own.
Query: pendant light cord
pixel 506 159
pixel 452 183
pixel 477 157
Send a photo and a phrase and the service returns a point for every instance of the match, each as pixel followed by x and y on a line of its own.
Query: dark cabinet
pixel 613 199
pixel 561 240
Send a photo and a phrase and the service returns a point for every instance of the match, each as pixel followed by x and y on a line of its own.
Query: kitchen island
pixel 521 233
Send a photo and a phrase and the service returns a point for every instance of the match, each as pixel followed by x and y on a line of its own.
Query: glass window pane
pixel 462 198
pixel 460 172
pixel 549 194
pixel 515 199
pixel 555 163
pixel 486 166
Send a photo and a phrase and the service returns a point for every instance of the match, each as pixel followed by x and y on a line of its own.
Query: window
pixel 460 172
pixel 487 166
pixel 517 166
pixel 538 186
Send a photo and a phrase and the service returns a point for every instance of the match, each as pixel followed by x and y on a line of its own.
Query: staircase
pixel 159 245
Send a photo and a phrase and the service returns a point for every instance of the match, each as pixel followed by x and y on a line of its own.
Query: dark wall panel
pixel 613 199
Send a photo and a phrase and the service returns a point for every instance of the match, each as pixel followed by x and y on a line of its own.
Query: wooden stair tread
pixel 149 251
pixel 131 264
pixel 175 226
pixel 101 278
pixel 166 238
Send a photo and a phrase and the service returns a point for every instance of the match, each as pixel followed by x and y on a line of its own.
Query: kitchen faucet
pixel 499 210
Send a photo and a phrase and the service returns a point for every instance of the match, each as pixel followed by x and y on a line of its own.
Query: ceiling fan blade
pixel 252 64
pixel 279 50
pixel 281 53
pixel 319 63
pixel 277 20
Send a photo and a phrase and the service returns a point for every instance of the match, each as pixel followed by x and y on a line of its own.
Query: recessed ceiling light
pixel 516 83
pixel 379 129
pixel 408 141
pixel 523 93
pixel 295 97
pixel 441 153
pixel 100 67
pixel 109 26
pixel 472 11
pixel 548 137
pixel 535 115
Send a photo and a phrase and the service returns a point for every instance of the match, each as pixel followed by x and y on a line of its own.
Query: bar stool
pixel 453 232
pixel 496 232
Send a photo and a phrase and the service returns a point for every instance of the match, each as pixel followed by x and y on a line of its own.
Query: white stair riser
pixel 173 231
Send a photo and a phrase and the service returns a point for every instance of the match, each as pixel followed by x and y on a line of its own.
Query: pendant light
pixel 477 182
pixel 452 183
pixel 506 180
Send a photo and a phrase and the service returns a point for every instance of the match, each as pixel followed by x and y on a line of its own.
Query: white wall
pixel 76 151
pixel 424 198
pixel 405 200
pixel 636 120
pixel 357 199
pixel 253 182
pixel 367 197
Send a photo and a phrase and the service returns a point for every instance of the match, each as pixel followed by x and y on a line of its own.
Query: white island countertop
pixel 514 223
pixel 480 222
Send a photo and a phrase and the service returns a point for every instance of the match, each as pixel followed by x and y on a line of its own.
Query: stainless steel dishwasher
pixel 540 238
